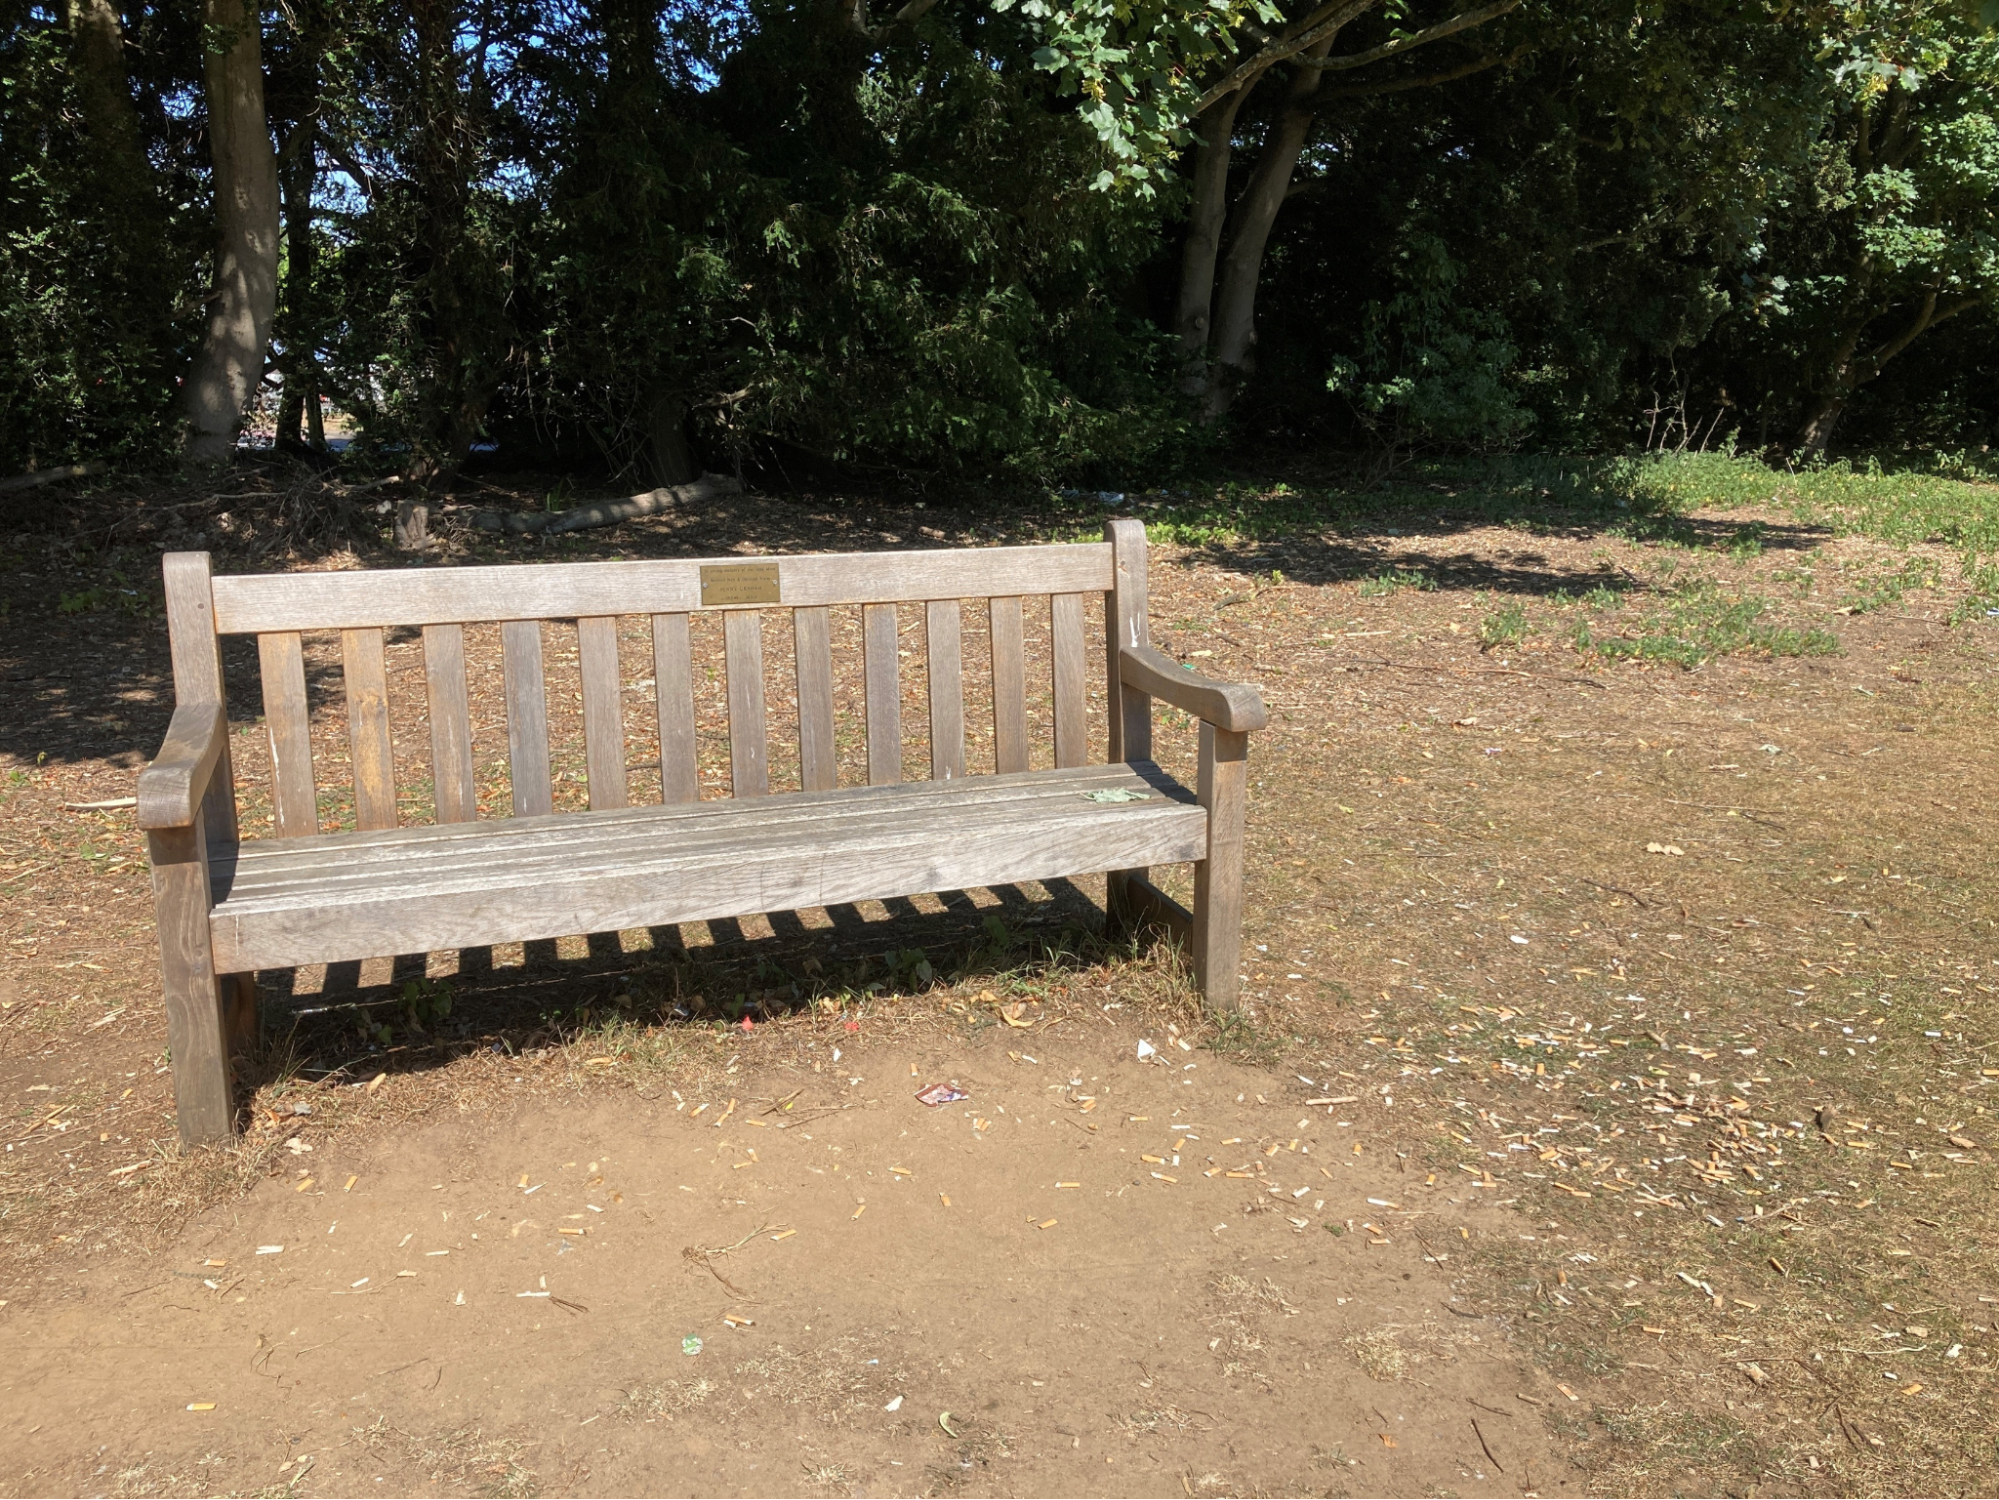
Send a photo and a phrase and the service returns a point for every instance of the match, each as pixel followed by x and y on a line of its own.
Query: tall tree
pixel 243 293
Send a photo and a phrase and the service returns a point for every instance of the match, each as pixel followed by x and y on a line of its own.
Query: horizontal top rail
pixel 257 603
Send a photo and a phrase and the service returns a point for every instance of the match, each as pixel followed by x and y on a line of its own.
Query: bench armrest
pixel 172 787
pixel 1234 706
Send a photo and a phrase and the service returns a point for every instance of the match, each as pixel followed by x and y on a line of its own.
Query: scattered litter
pixel 895 1405
pixel 690 1345
pixel 1050 1223
pixel 736 1320
pixel 784 1235
pixel 861 1210
pixel 201 1406
pixel 376 1082
pixel 1146 1049
pixel 940 1094
pixel 1658 848
pixel 270 1249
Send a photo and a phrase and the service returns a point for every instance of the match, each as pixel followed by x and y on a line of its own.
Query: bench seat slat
pixel 254 603
pixel 328 899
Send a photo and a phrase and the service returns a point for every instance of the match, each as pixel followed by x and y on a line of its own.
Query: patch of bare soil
pixel 1610 1111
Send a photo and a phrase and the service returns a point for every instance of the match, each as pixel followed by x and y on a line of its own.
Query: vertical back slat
pixel 603 714
pixel 812 640
pixel 743 652
pixel 673 687
pixel 374 758
pixel 942 626
pixel 1009 685
pixel 1072 743
pixel 288 721
pixel 1126 624
pixel 884 694
pixel 527 719
pixel 450 723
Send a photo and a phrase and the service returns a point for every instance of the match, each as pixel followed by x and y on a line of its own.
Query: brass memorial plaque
pixel 738 583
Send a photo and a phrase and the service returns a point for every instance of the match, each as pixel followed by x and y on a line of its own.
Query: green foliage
pixel 1381 585
pixel 1505 626
pixel 1703 620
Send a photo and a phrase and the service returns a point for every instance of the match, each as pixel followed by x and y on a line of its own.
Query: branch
pixel 344 159
pixel 610 512
pixel 52 476
pixel 1324 22
pixel 1428 80
pixel 1463 21
pixel 1926 318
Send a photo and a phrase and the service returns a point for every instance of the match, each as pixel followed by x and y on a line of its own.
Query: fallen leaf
pixel 1657 848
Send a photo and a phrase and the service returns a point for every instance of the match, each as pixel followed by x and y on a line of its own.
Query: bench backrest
pixel 278 609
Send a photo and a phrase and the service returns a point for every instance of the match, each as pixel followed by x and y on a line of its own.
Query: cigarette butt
pixel 945 1199
pixel 376 1082
pixel 1164 1178
pixel 303 1185
pixel 571 1231
pixel 350 1183
pixel 1046 1224
pixel 785 1235
pixel 1068 1184
pixel 201 1406
pixel 861 1210
pixel 901 1171
pixel 1569 1393
pixel 216 1263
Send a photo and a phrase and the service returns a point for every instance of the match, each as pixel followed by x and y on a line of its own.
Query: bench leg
pixel 1121 912
pixel 1224 791
pixel 204 1101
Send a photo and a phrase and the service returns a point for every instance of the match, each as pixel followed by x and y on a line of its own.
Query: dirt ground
pixel 1610 1113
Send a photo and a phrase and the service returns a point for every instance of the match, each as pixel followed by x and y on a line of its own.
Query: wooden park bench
pixel 229 907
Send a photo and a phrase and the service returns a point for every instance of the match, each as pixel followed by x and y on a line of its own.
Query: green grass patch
pixel 1381 585
pixel 1700 621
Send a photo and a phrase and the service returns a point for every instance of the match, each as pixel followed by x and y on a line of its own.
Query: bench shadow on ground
pixel 319 1024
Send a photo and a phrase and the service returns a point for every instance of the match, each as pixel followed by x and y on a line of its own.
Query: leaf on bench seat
pixel 1118 794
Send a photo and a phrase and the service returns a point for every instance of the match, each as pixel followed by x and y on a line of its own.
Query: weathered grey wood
pixel 197 664
pixel 743 661
pixel 1224 792
pixel 1072 725
pixel 1129 711
pixel 527 719
pixel 673 690
pixel 171 790
pixel 204 1103
pixel 320 900
pixel 1234 706
pixel 1126 624
pixel 252 604
pixel 373 756
pixel 450 723
pixel 603 712
pixel 812 647
pixel 1009 684
pixel 1147 906
pixel 445 847
pixel 288 723
pixel 883 671
pixel 942 640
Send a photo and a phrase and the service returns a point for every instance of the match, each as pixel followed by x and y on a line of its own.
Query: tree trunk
pixel 1826 411
pixel 1205 218
pixel 1249 233
pixel 97 52
pixel 230 363
pixel 297 173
